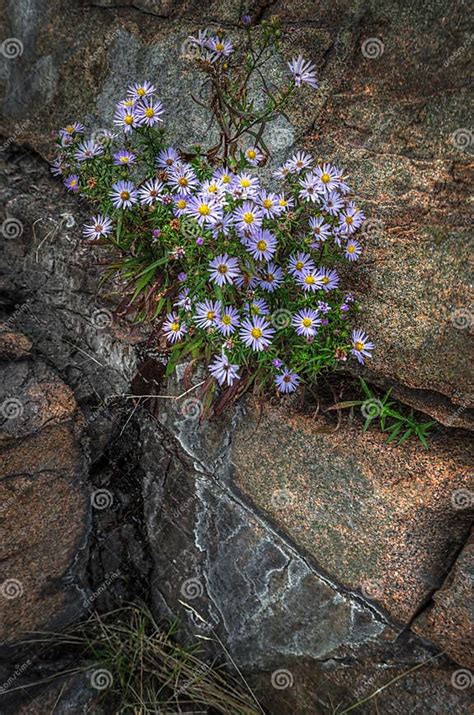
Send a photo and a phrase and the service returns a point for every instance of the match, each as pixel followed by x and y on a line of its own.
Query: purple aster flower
pixel 174 328
pixel 301 262
pixel 299 161
pixel 205 209
pixel 207 313
pixel 262 244
pixel 306 322
pixel 141 90
pixel 246 20
pixel 183 179
pixel 229 320
pixel 168 158
pixel 222 226
pixel 327 176
pixel 245 186
pixel 182 276
pixel 303 72
pixel 329 279
pixel 223 371
pixel 149 112
pixel 323 307
pixel 181 206
pixel 248 216
pixel 72 182
pixel 253 155
pixel 156 233
pixel 226 176
pixel 269 204
pixel 353 250
pixel 66 140
pixel 88 150
pixel 184 301
pixel 319 229
pixel 342 186
pixel 361 346
pixel 270 277
pixel 56 167
pixel 257 307
pixel 282 172
pixel 150 191
pixel 285 203
pixel 310 188
pixel 199 241
pixel 277 363
pixel 246 280
pixel 213 187
pixel 224 269
pixel 287 381
pixel 332 203
pixel 71 129
pixel 99 226
pixel 126 118
pixel 219 47
pixel 123 194
pixel 124 157
pixel 310 280
pixel 350 219
pixel 256 333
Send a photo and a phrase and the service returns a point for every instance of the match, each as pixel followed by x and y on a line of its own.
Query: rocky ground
pixel 327 562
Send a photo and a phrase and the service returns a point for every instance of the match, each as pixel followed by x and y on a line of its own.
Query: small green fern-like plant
pixel 393 420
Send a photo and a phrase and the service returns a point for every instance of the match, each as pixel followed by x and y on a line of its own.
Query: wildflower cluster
pixel 231 271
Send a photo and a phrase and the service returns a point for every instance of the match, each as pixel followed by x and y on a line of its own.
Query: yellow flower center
pixel 124 195
pixel 73 182
pixel 204 210
pixel 149 112
pixel 248 217
pixel 219 46
pixel 128 119
pixel 141 91
pixel 351 248
pixel 225 179
pixel 309 280
pixel 325 178
pixel 174 327
pixel 181 204
pixel 349 220
pixel 307 322
pixel 212 188
pixel 227 320
pixel 222 268
pixel 325 280
pixel 211 315
pixel 267 203
pixel 124 159
pixel 282 202
pixel 182 181
pixel 256 333
pixel 69 129
pixel 299 265
pixel 128 103
pixel 245 183
pixel 251 153
pixel 262 245
pixel 358 345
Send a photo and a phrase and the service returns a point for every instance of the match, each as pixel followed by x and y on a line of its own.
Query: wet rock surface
pixel 329 564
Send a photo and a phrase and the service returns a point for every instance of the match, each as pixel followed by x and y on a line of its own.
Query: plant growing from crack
pixel 241 276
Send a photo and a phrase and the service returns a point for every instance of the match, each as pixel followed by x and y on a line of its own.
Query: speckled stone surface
pixel 378 517
pixel 44 503
pixel 450 620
